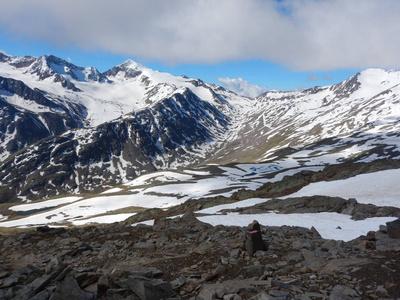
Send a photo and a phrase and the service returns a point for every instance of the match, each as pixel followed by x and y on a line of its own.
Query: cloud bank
pixel 306 35
pixel 242 87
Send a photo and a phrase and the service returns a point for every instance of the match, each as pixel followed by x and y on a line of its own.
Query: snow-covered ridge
pixel 122 89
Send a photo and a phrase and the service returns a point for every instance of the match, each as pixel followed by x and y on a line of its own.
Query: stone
pixel 177 283
pixel 220 269
pixel 383 228
pixel 202 248
pixel 381 289
pixel 313 295
pixel 220 293
pixel 4 274
pixel 150 289
pixel 68 288
pixel 254 241
pixel 206 294
pixel 304 243
pixel 232 297
pixel 341 292
pixel 314 264
pixel 393 229
pixel 281 285
pixel 280 294
pixel 144 245
pixel 308 254
pixel 235 253
pixel 253 271
pixel 68 241
pixel 366 245
pixel 10 281
pixel 294 256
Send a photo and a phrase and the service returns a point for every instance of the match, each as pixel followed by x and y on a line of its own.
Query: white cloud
pixel 242 87
pixel 307 35
pixel 312 78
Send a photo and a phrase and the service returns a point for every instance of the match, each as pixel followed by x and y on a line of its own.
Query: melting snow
pixel 378 188
pixel 107 219
pixel 326 223
pixel 44 204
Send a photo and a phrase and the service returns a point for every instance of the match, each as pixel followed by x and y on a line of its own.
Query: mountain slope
pixel 169 133
pixel 366 103
pixel 68 129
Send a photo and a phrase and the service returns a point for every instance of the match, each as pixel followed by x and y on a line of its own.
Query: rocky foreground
pixel 183 258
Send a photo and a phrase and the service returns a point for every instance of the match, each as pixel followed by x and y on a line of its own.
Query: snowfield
pixel 295 131
pixel 380 188
pixel 329 225
pixel 44 204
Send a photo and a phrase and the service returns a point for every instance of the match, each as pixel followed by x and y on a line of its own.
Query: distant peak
pixel 131 64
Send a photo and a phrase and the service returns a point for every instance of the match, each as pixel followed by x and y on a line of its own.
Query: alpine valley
pixel 69 130
pixel 136 184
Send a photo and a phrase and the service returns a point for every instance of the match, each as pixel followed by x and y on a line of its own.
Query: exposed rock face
pixel 21 127
pixel 315 204
pixel 87 159
pixel 291 184
pixel 193 260
pixel 393 229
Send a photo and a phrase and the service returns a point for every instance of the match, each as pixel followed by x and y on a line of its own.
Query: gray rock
pixel 144 245
pixel 202 248
pixel 253 271
pixel 69 241
pixel 235 253
pixel 314 264
pixel 220 269
pixel 10 281
pixel 343 292
pixel 68 288
pixel 279 294
pixel 232 297
pixel 43 295
pixel 281 285
pixel 383 228
pixel 151 289
pixel 220 293
pixel 177 283
pixel 307 254
pixel 313 296
pixel 393 229
pixel 301 244
pixel 294 256
pixel 206 294
pixel 4 274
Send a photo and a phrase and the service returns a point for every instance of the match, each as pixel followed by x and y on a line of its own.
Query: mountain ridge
pixel 147 120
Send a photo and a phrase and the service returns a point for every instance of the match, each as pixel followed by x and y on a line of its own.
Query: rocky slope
pixel 182 258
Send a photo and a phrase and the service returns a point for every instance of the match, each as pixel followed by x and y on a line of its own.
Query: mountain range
pixel 66 129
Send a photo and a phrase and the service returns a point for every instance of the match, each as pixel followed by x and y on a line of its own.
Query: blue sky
pixel 282 45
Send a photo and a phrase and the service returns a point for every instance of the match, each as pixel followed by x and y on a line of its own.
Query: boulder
pixel 68 288
pixel 393 229
pixel 150 289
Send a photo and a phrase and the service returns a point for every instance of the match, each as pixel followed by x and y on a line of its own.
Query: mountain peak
pixel 131 64
pixel 128 69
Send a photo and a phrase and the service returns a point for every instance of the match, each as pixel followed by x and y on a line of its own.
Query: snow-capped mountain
pixel 367 103
pixel 68 129
pixel 47 96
